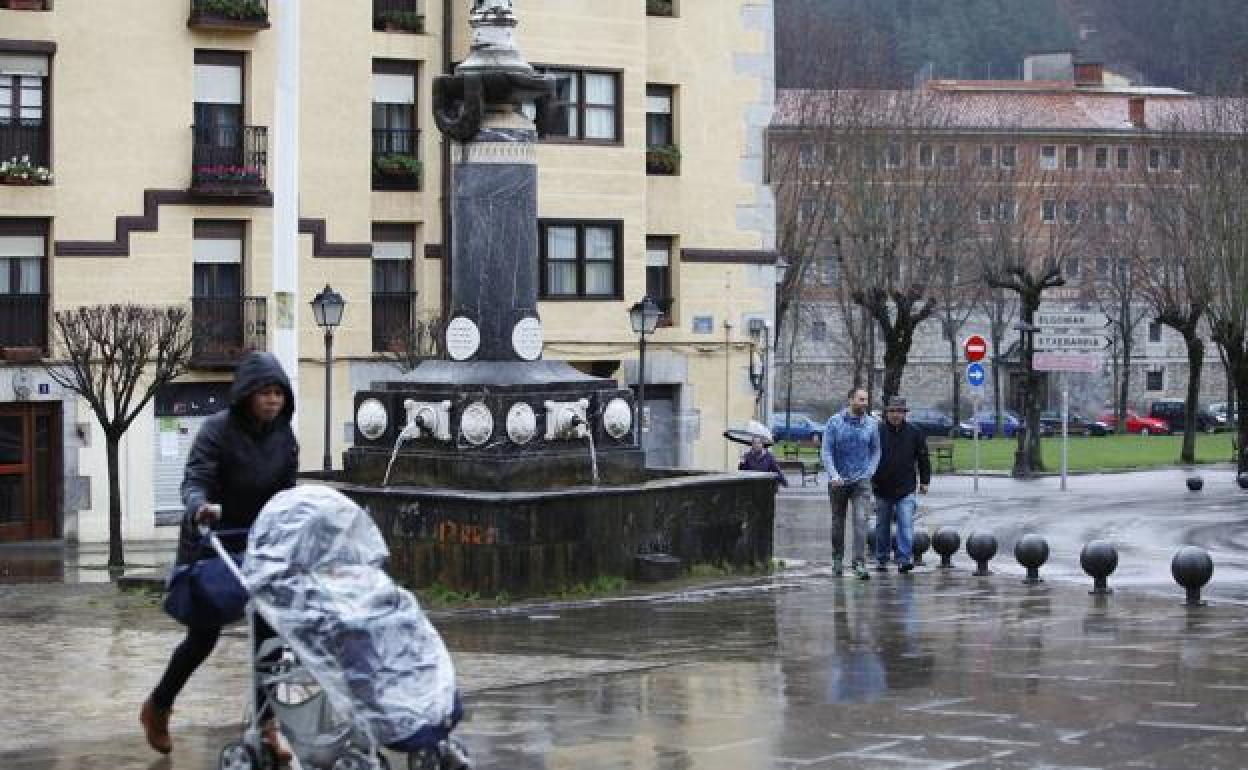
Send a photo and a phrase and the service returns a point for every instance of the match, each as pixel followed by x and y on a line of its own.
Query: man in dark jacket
pixel 758 458
pixel 903 447
pixel 241 457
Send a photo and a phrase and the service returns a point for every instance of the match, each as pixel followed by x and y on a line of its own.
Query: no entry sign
pixel 975 348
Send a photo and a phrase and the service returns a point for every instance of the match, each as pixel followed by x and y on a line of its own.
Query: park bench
pixel 941 452
pixel 791 461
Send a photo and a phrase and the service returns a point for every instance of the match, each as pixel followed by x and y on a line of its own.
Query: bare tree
pixel 407 343
pixel 1032 221
pixel 116 357
pixel 1001 307
pixel 1211 148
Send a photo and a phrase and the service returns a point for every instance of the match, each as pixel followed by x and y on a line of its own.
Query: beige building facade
pixel 143 142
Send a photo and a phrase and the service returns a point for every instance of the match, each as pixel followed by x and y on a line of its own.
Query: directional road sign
pixel 975 374
pixel 1071 342
pixel 1067 362
pixel 975 347
pixel 1060 319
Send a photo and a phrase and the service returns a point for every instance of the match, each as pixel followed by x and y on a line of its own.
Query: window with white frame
pixel 1154 159
pixel 1101 158
pixel 1156 380
pixel 987 156
pixel 985 212
pixel 1154 331
pixel 23 107
pixel 819 331
pixel 926 156
pixel 1174 159
pixel 1070 210
pixel 1071 268
pixel 585 107
pixel 949 156
pixel 1071 158
pixel 23 283
pixel 894 157
pixel 1009 156
pixel 1049 211
pixel 1123 155
pixel 659 274
pixel 1048 157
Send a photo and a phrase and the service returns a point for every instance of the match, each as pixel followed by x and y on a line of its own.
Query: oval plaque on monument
pixel 462 338
pixel 526 338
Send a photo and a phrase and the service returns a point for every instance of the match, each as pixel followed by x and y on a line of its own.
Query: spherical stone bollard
pixel 981 546
pixel 1195 483
pixel 1242 480
pixel 922 541
pixel 1032 551
pixel 1099 559
pixel 945 543
pixel 1192 568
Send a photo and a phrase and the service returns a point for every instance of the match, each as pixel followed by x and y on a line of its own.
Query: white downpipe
pixel 285 151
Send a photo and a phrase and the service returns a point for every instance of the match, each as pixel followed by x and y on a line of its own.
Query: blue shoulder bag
pixel 206 592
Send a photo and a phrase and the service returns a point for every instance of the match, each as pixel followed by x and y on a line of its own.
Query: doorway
pixel 30 473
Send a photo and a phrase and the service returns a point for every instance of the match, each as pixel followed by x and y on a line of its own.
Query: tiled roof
pixel 1034 106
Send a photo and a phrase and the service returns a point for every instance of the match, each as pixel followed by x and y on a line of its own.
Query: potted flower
pixel 659 7
pixel 24 5
pixel 235 10
pixel 397 164
pixel 662 159
pixel 401 21
pixel 22 172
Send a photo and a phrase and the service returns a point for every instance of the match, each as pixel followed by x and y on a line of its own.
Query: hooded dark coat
pixel 238 462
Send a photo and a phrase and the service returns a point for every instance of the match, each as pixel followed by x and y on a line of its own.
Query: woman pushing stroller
pixel 241 458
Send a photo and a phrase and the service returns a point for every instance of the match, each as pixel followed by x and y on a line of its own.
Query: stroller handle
pixel 211 535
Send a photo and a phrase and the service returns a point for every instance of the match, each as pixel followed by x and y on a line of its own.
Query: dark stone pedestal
pixel 528 543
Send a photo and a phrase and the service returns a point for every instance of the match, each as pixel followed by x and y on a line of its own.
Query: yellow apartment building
pixel 139 141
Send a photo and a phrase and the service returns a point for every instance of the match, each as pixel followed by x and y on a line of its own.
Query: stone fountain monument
pixel 498 469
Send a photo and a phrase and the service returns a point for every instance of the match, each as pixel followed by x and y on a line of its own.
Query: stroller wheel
pixel 448 756
pixel 355 761
pixel 238 756
pixel 425 759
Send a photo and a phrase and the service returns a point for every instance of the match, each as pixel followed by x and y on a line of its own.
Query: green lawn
pixel 1085 454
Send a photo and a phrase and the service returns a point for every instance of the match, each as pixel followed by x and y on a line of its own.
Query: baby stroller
pixel 355 665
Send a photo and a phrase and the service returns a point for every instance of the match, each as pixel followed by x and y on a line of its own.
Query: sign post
pixel 975 347
pixel 1068 342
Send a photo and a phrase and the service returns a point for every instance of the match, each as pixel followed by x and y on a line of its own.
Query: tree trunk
pixel 996 383
pixel 1195 361
pixel 116 557
pixel 1027 459
pixel 1124 385
pixel 1239 363
pixel 896 353
pixel 955 379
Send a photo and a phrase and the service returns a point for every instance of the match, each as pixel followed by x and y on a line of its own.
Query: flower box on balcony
pixel 400 21
pixel 24 5
pixel 397 171
pixel 244 15
pixel 21 354
pixel 663 160
pixel 239 179
pixel 20 171
pixel 660 8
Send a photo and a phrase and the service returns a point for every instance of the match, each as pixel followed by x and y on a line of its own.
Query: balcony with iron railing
pixel 394 320
pixel 224 329
pixel 24 154
pixel 229 15
pixel 26 5
pixel 399 16
pixel 23 324
pixel 229 160
pixel 665 310
pixel 396 159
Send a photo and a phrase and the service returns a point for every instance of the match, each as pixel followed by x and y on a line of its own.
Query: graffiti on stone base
pixel 456 533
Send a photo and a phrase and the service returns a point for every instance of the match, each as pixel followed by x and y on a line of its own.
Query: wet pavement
pixel 932 670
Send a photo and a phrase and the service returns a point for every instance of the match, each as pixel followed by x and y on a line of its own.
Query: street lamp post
pixel 327 307
pixel 644 317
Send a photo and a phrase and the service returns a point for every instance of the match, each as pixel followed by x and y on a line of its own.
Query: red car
pixel 1145 426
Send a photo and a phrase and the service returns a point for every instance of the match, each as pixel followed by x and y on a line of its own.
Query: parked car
pixel 932 422
pixel 1174 412
pixel 801 427
pixel 1076 424
pixel 1145 426
pixel 988 425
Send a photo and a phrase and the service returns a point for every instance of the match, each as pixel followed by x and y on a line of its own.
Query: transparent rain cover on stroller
pixel 314 570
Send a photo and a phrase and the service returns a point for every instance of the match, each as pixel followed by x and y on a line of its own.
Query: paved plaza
pixel 932 670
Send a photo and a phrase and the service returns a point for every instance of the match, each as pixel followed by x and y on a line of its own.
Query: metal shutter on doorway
pixel 174 436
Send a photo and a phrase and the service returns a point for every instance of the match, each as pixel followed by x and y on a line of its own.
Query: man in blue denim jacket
pixel 851 454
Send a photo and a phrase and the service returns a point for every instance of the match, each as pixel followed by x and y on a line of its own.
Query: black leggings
pixel 192 652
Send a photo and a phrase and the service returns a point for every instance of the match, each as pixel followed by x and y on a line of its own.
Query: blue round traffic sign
pixel 975 374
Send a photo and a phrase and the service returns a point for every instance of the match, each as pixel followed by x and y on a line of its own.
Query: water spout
pixel 404 435
pixel 582 428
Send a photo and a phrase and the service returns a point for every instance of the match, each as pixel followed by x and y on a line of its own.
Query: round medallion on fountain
pixel 526 338
pixel 476 424
pixel 371 419
pixel 521 423
pixel 463 338
pixel 617 418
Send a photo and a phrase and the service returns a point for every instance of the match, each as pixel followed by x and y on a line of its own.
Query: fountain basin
pixel 535 542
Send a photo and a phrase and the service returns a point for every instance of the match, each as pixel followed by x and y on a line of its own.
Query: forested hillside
pixel 885 43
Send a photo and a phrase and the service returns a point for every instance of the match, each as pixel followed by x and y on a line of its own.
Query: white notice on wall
pixel 462 338
pixel 168 444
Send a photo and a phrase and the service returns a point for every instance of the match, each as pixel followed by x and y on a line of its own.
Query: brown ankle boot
pixel 155 721
pixel 272 737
